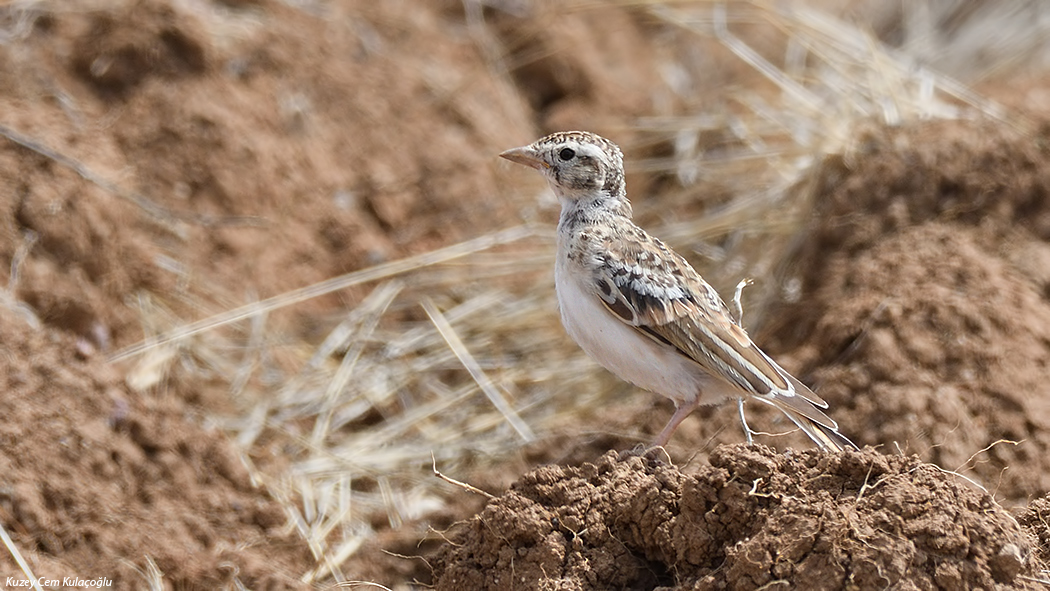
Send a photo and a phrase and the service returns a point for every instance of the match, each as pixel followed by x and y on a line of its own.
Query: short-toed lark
pixel 640 310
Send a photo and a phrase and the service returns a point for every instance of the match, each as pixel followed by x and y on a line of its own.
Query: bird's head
pixel 577 164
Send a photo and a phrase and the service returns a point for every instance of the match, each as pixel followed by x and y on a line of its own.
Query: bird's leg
pixel 743 421
pixel 680 413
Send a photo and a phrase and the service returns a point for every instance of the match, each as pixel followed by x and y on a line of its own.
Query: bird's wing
pixel 648 286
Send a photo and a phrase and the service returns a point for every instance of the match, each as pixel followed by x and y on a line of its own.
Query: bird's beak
pixel 525 155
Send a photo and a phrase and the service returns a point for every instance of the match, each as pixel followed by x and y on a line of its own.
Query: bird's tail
pixel 826 436
pixel 803 407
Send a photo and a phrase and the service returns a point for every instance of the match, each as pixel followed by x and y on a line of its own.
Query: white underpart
pixel 622 349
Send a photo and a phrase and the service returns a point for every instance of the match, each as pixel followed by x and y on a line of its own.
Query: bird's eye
pixel 566 154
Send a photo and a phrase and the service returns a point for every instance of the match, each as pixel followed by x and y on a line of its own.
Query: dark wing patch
pixel 622 310
pixel 651 290
pixel 605 288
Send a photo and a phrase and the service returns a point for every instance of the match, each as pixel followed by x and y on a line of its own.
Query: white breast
pixel 623 350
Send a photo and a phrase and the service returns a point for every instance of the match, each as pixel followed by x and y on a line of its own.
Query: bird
pixel 640 309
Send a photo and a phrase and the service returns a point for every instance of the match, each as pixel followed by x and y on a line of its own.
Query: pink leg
pixel 680 413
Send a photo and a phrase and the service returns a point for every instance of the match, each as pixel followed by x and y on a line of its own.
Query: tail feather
pixel 804 408
pixel 825 435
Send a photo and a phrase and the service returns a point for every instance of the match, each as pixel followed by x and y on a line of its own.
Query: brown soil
pixel 94 475
pixel 258 147
pixel 754 518
pixel 927 310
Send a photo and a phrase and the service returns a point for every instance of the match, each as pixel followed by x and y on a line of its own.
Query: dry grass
pixel 17 555
pixel 451 355
pixel 440 359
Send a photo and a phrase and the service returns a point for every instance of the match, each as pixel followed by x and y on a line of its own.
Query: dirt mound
pixel 924 315
pixel 1036 518
pixel 94 478
pixel 754 518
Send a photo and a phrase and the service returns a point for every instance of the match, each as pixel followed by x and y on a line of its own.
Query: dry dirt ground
pixel 258 146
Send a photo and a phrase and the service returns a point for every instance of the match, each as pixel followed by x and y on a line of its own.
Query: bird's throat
pixel 593 209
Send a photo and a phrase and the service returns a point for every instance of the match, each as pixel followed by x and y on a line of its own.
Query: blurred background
pixel 262 270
